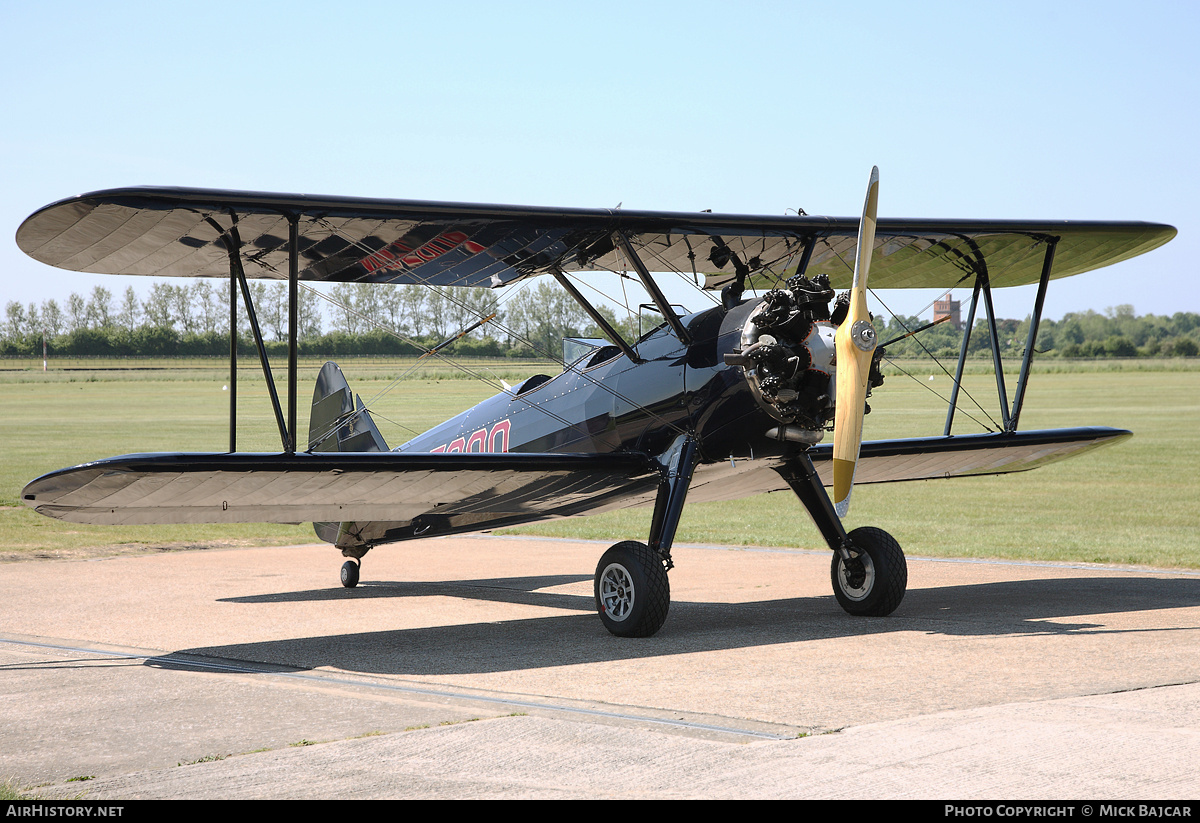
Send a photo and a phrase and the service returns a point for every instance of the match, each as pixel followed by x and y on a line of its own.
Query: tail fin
pixel 339 422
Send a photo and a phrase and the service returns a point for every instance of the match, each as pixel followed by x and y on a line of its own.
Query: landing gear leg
pixel 869 573
pixel 633 594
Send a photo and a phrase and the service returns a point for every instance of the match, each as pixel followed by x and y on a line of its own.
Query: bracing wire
pixel 655 255
pixel 939 364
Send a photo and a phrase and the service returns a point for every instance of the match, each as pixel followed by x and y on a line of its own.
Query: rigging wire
pixel 656 255
pixel 937 394
pixel 645 247
pixel 933 357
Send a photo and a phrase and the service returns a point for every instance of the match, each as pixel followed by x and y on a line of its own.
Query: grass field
pixel 1135 503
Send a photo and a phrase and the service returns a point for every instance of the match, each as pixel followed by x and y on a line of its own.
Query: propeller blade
pixel 854 345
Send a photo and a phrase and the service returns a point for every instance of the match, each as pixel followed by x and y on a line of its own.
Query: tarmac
pixel 475 667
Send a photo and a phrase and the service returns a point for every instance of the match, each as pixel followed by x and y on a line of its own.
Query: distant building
pixel 947 307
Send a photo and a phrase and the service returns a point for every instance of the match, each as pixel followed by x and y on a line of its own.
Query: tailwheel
pixel 350 571
pixel 632 590
pixel 874 580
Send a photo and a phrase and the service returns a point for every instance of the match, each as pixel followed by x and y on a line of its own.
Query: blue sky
pixel 973 110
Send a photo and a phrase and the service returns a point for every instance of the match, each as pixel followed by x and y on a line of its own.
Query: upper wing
pixel 189 233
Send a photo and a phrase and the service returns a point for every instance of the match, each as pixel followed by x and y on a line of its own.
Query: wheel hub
pixel 857 576
pixel 616 592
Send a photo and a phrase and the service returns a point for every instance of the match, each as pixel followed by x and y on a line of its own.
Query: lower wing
pixel 362 498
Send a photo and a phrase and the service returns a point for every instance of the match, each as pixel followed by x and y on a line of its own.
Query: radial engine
pixel 787 354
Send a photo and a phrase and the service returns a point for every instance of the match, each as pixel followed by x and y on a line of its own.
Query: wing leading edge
pixel 176 232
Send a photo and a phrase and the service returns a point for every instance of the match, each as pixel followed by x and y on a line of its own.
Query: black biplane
pixel 713 405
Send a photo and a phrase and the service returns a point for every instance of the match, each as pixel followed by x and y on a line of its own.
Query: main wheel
pixel 873 581
pixel 632 590
pixel 350 574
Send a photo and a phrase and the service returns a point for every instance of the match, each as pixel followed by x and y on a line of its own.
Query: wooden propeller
pixel 854 345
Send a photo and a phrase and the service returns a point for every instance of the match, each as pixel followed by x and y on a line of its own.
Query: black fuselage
pixel 606 402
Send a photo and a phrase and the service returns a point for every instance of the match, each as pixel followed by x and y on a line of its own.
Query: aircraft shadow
pixel 1030 607
pixel 499 589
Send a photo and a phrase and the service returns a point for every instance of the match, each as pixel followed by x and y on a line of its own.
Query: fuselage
pixel 606 402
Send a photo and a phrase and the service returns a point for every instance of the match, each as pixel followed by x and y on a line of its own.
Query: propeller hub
pixel 863 335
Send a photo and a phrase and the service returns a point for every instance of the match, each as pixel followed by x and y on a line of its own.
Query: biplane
pixel 718 404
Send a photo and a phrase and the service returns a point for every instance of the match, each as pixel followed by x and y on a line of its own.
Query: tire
pixel 875 589
pixel 633 594
pixel 349 574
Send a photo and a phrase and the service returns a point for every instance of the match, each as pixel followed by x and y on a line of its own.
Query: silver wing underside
pixel 190 233
pixel 249 488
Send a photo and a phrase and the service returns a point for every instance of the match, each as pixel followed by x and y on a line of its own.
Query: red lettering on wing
pixel 399 255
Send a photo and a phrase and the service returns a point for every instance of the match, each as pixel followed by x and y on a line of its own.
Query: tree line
pixel 1116 332
pixel 357 318
pixel 361 318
